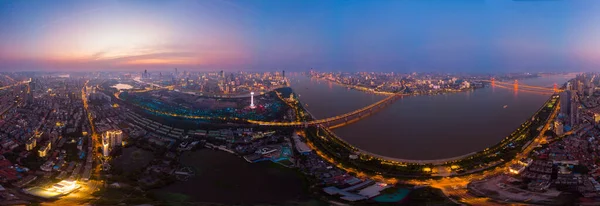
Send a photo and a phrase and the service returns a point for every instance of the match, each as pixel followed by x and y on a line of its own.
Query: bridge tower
pixel 493 80
pixel 555 88
pixel 516 84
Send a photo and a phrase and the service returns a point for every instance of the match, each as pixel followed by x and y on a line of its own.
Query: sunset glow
pixel 260 35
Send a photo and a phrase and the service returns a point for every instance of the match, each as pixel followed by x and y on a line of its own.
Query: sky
pixel 327 35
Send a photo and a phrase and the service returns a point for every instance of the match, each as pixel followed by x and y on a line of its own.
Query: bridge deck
pixel 329 119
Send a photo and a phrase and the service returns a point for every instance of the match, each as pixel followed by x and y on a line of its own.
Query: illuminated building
pixel 105 146
pixel 30 144
pixel 596 118
pixel 118 138
pixel 43 151
pixel 114 137
pixel 110 139
pixel 65 186
pixel 558 128
pixel 519 166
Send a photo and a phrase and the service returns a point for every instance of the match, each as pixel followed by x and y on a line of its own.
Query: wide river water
pixel 426 127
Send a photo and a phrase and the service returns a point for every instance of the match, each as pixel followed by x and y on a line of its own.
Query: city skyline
pixel 399 36
pixel 299 102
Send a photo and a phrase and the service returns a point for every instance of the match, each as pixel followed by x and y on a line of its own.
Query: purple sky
pixel 264 35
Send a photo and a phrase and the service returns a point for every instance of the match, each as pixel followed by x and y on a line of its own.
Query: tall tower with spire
pixel 252 100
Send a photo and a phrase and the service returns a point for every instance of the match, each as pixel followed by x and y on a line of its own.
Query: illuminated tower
pixel 252 100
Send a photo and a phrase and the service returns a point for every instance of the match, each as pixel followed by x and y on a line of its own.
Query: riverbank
pixel 371 90
pixel 446 126
pixel 353 159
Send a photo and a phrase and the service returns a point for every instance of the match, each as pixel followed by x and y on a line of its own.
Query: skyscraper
pixel 114 137
pixel 105 146
pixel 29 92
pixel 565 103
pixel 558 128
pixel 574 114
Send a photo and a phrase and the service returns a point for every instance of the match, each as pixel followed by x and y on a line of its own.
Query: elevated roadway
pixel 359 112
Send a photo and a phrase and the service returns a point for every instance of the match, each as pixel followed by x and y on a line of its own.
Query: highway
pixel 15 84
pixel 84 194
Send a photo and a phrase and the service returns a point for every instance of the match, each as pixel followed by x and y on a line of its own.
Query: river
pixel 426 127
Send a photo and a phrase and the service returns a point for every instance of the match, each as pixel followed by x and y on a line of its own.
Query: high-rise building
pixel 43 151
pixel 565 103
pixel 105 145
pixel 118 138
pixel 558 128
pixel 30 88
pixel 30 144
pixel 114 138
pixel 574 114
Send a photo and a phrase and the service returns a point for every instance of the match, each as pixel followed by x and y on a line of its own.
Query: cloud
pixel 165 58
